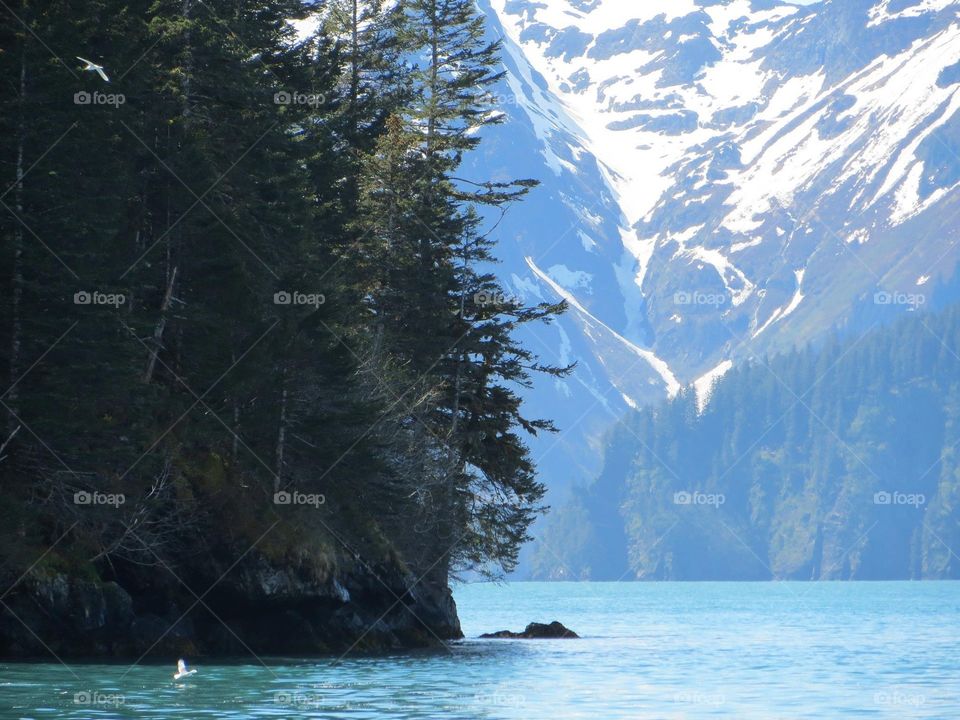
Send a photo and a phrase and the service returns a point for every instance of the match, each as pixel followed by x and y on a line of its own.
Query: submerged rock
pixel 536 631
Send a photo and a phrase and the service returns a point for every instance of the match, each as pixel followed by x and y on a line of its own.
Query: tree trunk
pixel 188 64
pixel 236 427
pixel 434 80
pixel 3 445
pixel 281 436
pixel 448 517
pixel 16 302
pixel 161 324
pixel 354 72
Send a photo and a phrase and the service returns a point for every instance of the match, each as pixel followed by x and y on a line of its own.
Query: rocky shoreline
pixel 260 609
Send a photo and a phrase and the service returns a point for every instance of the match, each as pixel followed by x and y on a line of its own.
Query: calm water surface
pixel 649 651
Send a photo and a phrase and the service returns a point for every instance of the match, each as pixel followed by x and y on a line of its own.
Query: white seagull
pixel 93 67
pixel 182 671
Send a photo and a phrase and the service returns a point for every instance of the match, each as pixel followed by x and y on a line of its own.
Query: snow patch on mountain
pixel 735 282
pixel 797 296
pixel 882 12
pixel 671 384
pixel 703 386
pixel 570 278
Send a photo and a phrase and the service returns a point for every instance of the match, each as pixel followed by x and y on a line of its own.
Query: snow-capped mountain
pixel 721 179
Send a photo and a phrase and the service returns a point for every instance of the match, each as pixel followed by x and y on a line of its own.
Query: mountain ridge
pixel 702 163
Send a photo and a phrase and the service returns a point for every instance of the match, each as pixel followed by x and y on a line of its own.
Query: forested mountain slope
pixel 840 462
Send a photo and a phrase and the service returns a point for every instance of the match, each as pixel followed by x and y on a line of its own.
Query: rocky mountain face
pixel 721 179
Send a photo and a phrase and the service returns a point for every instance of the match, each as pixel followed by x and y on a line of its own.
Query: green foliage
pixel 298 264
pixel 834 462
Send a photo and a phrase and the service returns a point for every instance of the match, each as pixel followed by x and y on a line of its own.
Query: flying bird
pixel 93 67
pixel 182 671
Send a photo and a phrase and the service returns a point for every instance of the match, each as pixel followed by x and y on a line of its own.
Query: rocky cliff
pixel 257 607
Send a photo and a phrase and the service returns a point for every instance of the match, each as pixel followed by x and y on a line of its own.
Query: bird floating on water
pixel 182 671
pixel 93 67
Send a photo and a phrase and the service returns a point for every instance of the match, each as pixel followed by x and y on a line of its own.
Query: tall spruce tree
pixel 442 313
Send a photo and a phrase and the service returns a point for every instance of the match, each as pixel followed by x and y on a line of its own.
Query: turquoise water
pixel 650 651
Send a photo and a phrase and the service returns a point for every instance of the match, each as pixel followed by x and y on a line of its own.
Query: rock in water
pixel 536 631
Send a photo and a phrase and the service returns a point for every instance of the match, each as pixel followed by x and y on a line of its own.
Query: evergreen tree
pixel 308 300
pixel 440 313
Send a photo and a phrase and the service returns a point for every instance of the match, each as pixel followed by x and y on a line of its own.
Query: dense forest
pixel 254 355
pixel 833 462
